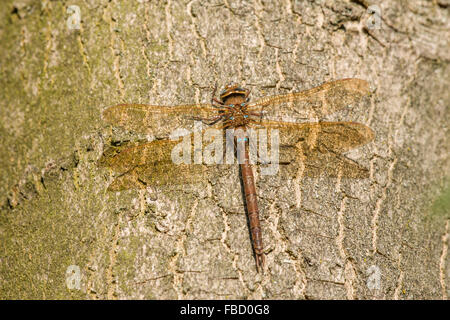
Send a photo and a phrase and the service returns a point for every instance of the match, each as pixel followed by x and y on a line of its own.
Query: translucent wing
pixel 316 102
pixel 129 155
pixel 140 165
pixel 335 137
pixel 157 174
pixel 157 120
pixel 323 164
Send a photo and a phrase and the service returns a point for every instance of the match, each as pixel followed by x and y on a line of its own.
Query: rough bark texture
pixel 384 237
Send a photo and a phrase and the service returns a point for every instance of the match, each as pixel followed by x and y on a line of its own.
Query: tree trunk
pixel 63 235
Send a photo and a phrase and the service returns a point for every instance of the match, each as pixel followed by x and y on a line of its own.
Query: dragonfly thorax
pixel 236 117
pixel 234 99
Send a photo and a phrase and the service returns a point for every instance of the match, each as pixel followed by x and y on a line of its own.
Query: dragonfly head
pixel 233 90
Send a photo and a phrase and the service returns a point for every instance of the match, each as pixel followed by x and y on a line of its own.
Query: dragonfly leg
pixel 218 104
pixel 226 124
pixel 247 93
pixel 209 121
pixel 214 101
pixel 214 93
pixel 215 120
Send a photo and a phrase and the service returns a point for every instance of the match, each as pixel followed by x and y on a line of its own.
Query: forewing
pixel 157 120
pixel 316 102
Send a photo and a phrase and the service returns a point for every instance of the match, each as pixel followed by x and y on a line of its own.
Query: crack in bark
pixel 107 16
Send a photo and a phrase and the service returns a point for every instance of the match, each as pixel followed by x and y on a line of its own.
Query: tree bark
pixel 385 237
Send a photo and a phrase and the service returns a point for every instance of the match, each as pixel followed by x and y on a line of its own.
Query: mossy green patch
pixel 441 206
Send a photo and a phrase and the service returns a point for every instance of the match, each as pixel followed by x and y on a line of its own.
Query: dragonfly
pixel 307 148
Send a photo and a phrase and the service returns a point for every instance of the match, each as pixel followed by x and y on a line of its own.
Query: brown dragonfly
pixel 305 148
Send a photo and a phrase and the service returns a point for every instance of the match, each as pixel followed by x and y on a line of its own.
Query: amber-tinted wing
pixel 157 120
pixel 323 164
pixel 335 137
pixel 316 102
pixel 150 164
pixel 319 147
pixel 158 174
pixel 127 156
